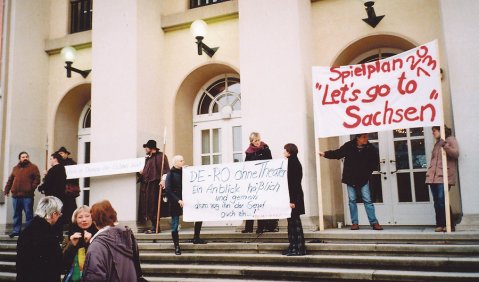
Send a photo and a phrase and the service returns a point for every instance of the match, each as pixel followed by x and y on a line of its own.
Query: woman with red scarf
pixel 258 150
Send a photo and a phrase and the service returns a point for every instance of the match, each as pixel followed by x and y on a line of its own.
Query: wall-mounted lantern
pixel 68 54
pixel 198 29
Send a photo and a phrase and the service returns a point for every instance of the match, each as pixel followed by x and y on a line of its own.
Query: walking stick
pixel 161 176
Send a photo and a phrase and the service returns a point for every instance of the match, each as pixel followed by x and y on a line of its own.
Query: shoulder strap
pixel 136 253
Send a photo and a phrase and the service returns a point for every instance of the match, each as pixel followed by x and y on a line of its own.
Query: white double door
pixel 217 142
pixel 398 190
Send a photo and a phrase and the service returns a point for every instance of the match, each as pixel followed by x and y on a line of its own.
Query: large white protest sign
pixel 105 168
pixel 237 191
pixel 402 91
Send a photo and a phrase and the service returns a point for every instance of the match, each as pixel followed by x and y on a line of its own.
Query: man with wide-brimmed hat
pixel 152 181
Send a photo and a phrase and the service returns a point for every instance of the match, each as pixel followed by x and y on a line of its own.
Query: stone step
pixel 298 273
pixel 334 236
pixel 323 248
pixel 452 264
pixel 7 256
pixel 8 253
pixel 8 276
pixel 7 266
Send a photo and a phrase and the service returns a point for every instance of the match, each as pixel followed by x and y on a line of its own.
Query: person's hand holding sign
pixel 292 205
pixel 180 202
pixel 321 154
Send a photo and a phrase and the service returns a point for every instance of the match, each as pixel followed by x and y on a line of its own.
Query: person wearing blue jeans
pixel 361 158
pixel 434 174
pixel 368 204
pixel 22 183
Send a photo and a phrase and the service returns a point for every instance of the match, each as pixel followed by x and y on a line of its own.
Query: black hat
pixel 151 144
pixel 63 150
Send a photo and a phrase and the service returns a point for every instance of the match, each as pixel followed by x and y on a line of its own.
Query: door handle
pixel 393 161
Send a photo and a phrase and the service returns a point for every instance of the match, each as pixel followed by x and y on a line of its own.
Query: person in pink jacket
pixel 434 175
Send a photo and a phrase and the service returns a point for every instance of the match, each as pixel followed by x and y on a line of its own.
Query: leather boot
pixel 196 237
pixel 176 242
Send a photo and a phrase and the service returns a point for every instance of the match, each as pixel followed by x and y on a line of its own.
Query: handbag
pixel 72 190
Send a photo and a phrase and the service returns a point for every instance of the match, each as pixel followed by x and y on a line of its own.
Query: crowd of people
pixel 96 248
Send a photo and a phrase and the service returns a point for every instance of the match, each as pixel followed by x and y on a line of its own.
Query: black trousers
pixel 263 224
pixel 296 235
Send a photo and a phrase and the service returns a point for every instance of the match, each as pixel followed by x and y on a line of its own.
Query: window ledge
pixel 209 13
pixel 79 40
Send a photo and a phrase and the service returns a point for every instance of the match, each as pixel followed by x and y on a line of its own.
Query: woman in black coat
pixel 174 190
pixel 54 184
pixel 258 150
pixel 297 245
pixel 39 256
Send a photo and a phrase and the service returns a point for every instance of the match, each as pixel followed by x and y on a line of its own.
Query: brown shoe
pixel 440 229
pixel 355 226
pixel 377 226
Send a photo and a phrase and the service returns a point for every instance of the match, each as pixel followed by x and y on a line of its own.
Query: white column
pixel 275 68
pixel 125 73
pixel 460 25
pixel 24 88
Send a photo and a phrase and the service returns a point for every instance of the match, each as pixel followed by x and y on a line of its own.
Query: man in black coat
pixel 361 158
pixel 39 256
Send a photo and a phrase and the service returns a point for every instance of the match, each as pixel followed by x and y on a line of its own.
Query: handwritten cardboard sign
pixel 105 168
pixel 236 191
pixel 402 91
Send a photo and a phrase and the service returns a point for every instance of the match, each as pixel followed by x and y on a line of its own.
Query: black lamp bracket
pixel 69 69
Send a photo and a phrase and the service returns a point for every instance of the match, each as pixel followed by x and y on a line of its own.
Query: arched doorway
pixel 185 103
pixel 398 189
pixel 199 113
pixel 70 115
pixel 217 134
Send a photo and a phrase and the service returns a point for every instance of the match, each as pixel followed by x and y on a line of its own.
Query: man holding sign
pixel 361 158
pixel 402 91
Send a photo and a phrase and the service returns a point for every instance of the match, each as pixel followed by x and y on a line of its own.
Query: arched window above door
pixel 87 119
pixel 376 54
pixel 221 95
pixel 217 121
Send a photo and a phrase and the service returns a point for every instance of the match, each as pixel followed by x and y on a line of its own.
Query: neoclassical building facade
pixel 146 75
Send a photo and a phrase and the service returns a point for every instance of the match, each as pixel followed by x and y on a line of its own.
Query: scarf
pixel 253 149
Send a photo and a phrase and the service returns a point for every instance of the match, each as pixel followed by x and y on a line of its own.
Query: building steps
pixel 232 256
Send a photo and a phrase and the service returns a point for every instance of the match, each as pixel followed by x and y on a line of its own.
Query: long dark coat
pixel 39 256
pixel 359 163
pixel 174 190
pixel 295 175
pixel 149 188
pixel 54 182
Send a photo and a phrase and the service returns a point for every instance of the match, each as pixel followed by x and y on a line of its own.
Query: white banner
pixel 402 91
pixel 237 191
pixel 105 168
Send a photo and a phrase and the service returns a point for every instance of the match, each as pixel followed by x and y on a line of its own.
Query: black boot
pixel 176 242
pixel 196 238
pixel 248 228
